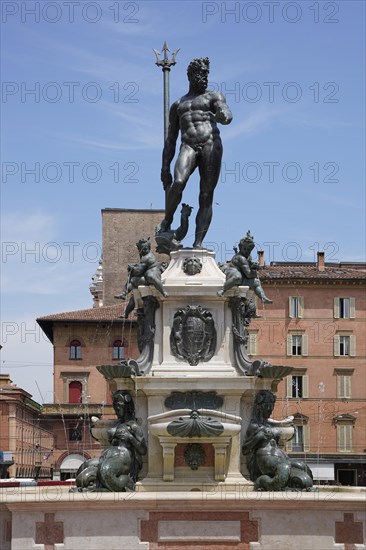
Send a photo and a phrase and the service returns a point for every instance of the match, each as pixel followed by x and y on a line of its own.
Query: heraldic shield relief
pixel 193 336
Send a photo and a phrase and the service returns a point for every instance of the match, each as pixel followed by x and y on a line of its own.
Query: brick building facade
pixel 316 324
pixel 82 340
pixel 122 228
pixel 24 433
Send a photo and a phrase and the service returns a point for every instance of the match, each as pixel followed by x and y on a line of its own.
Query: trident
pixel 165 65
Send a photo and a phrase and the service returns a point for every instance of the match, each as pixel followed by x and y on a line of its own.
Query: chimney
pixel 320 263
pixel 5 379
pixel 261 258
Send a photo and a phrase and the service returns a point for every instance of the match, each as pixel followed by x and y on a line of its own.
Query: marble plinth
pixel 240 519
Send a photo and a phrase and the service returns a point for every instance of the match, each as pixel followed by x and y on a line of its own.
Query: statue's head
pixel 264 403
pixel 123 405
pixel 197 72
pixel 143 246
pixel 246 244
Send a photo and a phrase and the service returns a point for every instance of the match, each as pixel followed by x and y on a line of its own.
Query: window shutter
pixel 344 435
pixel 349 431
pixel 305 386
pixel 352 308
pixel 289 344
pixel 336 344
pixel 301 306
pixel 290 307
pixel 289 386
pixel 252 343
pixel 304 344
pixel 344 386
pixel 340 438
pixel 255 343
pixel 352 345
pixel 347 386
pixel 336 308
pixel 306 432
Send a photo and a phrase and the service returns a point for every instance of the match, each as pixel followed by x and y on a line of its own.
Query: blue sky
pixel 92 132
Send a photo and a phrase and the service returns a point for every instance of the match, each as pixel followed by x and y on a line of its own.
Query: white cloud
pixel 27 356
pixel 253 124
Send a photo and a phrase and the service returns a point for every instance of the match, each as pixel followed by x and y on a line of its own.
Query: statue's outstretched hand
pixel 166 178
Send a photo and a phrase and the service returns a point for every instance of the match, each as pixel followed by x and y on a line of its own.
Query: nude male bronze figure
pixel 196 115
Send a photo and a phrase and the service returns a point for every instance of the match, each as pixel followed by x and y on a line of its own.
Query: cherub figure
pixel 242 270
pixel 147 272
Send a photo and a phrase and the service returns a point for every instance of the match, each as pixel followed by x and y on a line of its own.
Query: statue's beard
pixel 199 85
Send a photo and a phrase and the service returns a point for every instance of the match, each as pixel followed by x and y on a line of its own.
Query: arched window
pixel 118 350
pixel 75 392
pixel 75 349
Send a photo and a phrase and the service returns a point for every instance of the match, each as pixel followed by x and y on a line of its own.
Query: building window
pixel 118 350
pixel 75 392
pixel 300 443
pixel 344 308
pixel 297 344
pixel 75 349
pixel 344 426
pixel 298 440
pixel 344 345
pixel 297 386
pixel 296 306
pixel 344 438
pixel 75 434
pixel 344 379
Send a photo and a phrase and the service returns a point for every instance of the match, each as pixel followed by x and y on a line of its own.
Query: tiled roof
pixel 95 314
pixel 104 313
pixel 306 272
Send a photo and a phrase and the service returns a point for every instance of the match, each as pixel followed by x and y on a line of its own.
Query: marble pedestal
pixel 165 468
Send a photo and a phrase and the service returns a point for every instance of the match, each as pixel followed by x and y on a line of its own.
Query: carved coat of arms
pixel 193 335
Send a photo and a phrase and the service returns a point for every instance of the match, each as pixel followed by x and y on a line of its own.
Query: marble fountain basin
pixel 194 423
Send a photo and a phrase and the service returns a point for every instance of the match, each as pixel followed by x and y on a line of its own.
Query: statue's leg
pixel 130 307
pixel 257 287
pixel 209 167
pixel 233 278
pixel 152 277
pixel 185 165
